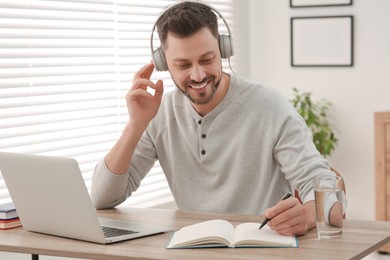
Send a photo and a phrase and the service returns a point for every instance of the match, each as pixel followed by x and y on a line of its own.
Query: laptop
pixel 50 196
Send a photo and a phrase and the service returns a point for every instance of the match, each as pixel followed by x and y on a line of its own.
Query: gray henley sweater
pixel 239 158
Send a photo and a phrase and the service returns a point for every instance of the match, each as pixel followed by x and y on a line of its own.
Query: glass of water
pixel 330 206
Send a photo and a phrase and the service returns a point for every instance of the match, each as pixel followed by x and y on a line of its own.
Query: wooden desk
pixel 359 239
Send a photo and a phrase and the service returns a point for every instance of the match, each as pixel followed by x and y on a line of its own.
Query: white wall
pixel 355 92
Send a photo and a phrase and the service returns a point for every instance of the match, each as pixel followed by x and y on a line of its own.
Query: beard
pixel 204 97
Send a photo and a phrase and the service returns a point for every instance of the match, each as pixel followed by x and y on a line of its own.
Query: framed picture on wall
pixel 322 41
pixel 319 3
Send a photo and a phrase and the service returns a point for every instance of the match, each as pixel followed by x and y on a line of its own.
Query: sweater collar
pixel 220 107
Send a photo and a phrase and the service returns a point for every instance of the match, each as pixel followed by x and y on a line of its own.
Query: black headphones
pixel 225 44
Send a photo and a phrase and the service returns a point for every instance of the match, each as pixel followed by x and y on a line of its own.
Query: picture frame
pixel 322 41
pixel 318 3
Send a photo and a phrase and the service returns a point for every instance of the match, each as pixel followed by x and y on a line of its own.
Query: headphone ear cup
pixel 159 61
pixel 225 46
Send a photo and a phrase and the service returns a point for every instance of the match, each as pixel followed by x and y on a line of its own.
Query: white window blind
pixel 65 68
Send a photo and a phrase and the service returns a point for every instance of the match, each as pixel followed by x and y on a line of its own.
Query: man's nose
pixel 197 73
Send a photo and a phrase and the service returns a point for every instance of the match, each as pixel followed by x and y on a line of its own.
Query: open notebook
pixel 221 233
pixel 50 197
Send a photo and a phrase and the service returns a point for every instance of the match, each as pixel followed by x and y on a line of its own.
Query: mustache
pixel 206 79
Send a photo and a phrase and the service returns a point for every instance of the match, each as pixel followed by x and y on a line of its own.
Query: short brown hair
pixel 185 19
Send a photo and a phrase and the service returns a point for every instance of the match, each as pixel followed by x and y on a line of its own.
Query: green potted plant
pixel 317 119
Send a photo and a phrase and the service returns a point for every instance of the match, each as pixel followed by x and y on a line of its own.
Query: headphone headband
pixel 225 41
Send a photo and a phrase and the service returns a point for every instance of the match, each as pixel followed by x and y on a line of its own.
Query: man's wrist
pixel 310 214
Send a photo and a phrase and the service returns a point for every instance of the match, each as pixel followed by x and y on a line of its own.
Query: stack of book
pixel 8 216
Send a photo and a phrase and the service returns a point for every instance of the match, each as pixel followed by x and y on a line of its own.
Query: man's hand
pixel 290 217
pixel 142 105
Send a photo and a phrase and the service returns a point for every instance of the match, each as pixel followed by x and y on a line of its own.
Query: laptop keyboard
pixel 114 232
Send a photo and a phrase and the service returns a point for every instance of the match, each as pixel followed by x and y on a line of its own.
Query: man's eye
pixel 182 66
pixel 208 61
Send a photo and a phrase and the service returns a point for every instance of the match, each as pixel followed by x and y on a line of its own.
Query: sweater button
pixel 203 152
pixel 203 136
pixel 199 122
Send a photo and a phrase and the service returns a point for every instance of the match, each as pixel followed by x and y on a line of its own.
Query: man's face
pixel 195 65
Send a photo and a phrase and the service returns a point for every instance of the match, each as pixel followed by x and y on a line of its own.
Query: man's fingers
pixel 159 87
pixel 142 83
pixel 280 207
pixel 291 230
pixel 289 217
pixel 137 93
pixel 139 88
pixel 145 72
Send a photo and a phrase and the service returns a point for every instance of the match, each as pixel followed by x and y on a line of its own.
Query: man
pixel 225 143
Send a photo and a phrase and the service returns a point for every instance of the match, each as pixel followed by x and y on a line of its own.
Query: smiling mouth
pixel 198 85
